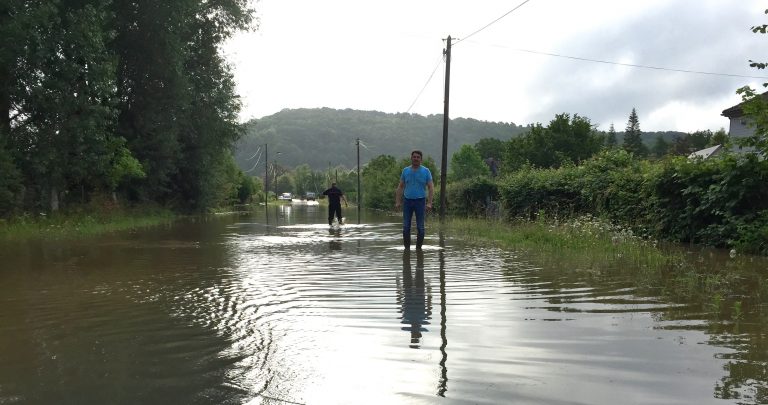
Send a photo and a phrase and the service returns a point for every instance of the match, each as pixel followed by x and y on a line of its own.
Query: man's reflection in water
pixel 334 244
pixel 415 299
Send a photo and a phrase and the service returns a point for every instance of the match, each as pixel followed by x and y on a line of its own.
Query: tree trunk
pixel 54 199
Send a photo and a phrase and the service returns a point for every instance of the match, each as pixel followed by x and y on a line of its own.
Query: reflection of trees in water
pixel 747 379
pixel 715 288
pixel 415 298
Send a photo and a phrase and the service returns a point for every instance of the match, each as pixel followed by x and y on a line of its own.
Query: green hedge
pixel 721 202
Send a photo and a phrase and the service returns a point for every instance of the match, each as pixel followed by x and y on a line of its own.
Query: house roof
pixel 705 153
pixel 735 111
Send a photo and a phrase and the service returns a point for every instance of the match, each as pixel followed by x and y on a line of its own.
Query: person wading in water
pixel 416 189
pixel 334 203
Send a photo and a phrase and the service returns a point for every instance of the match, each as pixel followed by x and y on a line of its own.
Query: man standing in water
pixel 417 189
pixel 334 203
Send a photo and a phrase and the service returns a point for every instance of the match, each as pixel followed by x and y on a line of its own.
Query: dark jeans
pixel 334 209
pixel 410 207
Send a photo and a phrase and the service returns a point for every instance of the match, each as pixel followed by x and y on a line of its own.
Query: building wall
pixel 739 128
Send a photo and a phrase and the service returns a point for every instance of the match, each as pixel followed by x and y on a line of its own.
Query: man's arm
pixel 399 194
pixel 430 193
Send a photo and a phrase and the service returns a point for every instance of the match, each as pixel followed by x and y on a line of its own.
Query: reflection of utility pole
pixel 443 385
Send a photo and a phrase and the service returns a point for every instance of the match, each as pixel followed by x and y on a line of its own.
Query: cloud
pixel 675 36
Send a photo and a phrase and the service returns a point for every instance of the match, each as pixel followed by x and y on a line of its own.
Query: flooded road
pixel 280 309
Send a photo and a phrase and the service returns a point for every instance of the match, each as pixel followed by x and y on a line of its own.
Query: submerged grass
pixel 724 288
pixel 82 223
pixel 584 236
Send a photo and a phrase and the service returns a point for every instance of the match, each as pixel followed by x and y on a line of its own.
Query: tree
pixel 180 116
pixel 490 148
pixel 660 147
pixel 466 163
pixel 611 140
pixel 565 140
pixel 720 137
pixel 61 92
pixel 380 178
pixel 633 142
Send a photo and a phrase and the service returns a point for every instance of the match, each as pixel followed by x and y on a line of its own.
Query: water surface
pixel 280 309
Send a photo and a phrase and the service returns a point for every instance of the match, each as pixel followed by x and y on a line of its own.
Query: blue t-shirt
pixel 415 182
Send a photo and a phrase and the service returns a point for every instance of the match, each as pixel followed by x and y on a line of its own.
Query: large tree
pixel 179 116
pixel 466 163
pixel 61 85
pixel 564 140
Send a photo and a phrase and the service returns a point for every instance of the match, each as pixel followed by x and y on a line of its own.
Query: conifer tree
pixel 632 136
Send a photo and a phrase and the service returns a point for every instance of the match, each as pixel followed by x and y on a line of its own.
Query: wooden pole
pixel 444 163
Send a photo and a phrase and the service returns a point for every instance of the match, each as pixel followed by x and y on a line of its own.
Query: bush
pixel 712 202
pixel 472 197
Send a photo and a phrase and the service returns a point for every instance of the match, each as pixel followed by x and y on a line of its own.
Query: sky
pixel 388 56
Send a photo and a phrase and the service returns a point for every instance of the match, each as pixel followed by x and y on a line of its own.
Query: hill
pixel 326 137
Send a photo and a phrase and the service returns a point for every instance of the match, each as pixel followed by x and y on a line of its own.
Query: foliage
pixel 565 140
pixel 87 110
pixel 317 136
pixel 284 184
pixel 490 148
pixel 719 202
pixel 96 217
pixel 474 197
pixel 466 163
pixel 633 136
pixel 531 192
pixel 611 141
pixel 380 178
pixel 614 185
pixel 755 107
pixel 660 147
pixel 10 184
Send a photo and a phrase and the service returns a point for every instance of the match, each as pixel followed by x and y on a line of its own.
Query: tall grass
pixel 725 289
pixel 81 223
pixel 582 236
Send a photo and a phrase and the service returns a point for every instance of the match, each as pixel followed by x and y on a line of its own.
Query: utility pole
pixel 359 194
pixel 444 163
pixel 266 174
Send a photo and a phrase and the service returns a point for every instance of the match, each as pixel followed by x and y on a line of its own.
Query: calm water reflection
pixel 280 309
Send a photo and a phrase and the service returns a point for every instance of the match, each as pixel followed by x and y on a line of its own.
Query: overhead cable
pixel 440 62
pixel 491 23
pixel 639 66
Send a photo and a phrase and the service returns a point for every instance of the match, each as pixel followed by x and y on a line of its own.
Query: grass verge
pixel 82 223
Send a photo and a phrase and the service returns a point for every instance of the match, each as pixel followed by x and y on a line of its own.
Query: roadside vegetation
pixel 84 222
pixel 724 286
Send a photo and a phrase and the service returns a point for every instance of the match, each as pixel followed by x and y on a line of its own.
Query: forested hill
pixel 323 136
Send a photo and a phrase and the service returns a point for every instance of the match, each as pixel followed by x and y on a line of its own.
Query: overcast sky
pixel 379 55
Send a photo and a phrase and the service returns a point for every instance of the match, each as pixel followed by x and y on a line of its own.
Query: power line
pixel 636 65
pixel 440 62
pixel 257 161
pixel 491 23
